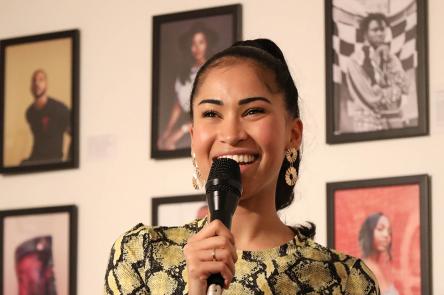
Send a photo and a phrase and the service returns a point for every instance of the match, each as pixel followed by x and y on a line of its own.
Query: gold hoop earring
pixel 291 174
pixel 196 174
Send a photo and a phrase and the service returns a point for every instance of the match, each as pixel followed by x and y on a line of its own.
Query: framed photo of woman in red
pixel 386 223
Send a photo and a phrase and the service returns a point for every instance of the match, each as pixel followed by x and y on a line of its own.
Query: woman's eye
pixel 209 114
pixel 254 111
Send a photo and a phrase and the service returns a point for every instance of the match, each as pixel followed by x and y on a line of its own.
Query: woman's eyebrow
pixel 211 101
pixel 254 98
pixel 241 102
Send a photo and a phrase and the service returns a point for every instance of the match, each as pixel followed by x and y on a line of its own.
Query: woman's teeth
pixel 241 159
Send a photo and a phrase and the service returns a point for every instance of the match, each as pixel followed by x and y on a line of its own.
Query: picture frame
pixel 43 240
pixel 177 210
pixel 376 70
pixel 182 42
pixel 387 218
pixel 39 102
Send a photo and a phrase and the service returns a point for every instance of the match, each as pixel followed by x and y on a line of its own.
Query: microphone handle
pixel 216 281
pixel 222 205
pixel 214 289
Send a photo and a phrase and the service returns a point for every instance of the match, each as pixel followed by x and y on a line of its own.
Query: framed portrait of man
pixel 376 69
pixel 386 223
pixel 39 102
pixel 177 210
pixel 38 250
pixel 182 42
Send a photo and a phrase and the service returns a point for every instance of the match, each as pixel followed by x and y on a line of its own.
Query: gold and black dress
pixel 150 260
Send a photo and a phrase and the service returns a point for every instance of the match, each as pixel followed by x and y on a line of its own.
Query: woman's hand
pixel 210 251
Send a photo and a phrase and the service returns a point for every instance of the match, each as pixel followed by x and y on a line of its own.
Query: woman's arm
pixel 174 116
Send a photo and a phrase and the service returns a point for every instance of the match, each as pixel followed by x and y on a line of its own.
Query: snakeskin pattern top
pixel 150 260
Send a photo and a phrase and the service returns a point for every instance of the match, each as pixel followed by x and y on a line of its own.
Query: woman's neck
pixel 256 226
pixel 380 258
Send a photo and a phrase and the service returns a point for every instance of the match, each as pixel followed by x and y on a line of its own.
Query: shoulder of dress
pixel 315 251
pixel 146 234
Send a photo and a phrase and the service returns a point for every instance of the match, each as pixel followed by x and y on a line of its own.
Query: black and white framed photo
pixel 376 69
pixel 38 251
pixel 39 102
pixel 182 42
pixel 177 210
pixel 385 222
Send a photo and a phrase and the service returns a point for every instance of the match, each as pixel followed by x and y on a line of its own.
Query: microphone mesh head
pixel 227 174
pixel 225 168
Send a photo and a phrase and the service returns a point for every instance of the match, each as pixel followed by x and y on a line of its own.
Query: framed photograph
pixel 386 223
pixel 376 69
pixel 177 210
pixel 38 251
pixel 39 102
pixel 182 42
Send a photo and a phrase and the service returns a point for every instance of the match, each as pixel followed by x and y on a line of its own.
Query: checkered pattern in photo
pixel 401 35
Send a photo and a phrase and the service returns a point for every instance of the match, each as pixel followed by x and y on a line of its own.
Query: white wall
pixel 113 192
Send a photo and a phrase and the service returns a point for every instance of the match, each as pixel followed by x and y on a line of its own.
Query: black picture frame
pixel 22 225
pixel 163 209
pixel 361 103
pixel 405 202
pixel 174 69
pixel 44 146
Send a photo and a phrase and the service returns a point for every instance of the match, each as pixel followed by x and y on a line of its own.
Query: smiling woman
pixel 244 106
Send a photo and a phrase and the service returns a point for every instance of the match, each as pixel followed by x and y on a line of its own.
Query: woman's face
pixel 382 234
pixel 237 115
pixel 199 47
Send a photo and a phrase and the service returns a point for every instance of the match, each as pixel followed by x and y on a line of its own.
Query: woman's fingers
pixel 210 251
pixel 214 228
pixel 209 244
pixel 201 270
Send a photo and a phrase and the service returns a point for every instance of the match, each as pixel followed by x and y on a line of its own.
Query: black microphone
pixel 223 190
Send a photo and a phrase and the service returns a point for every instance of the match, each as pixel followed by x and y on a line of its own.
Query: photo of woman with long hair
pixel 196 46
pixel 375 240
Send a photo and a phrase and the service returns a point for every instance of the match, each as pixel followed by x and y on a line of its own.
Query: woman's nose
pixel 232 131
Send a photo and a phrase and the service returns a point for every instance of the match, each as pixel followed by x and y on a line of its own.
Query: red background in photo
pixel 401 205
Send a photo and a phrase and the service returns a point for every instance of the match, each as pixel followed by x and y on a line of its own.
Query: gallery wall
pixel 116 178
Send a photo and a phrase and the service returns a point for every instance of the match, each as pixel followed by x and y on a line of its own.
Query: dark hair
pixel 185 41
pixel 365 22
pixel 366 235
pixel 267 54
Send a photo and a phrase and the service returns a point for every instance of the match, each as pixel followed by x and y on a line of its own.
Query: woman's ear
pixel 296 129
pixel 191 131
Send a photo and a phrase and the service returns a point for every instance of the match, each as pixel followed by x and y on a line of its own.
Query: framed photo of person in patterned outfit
pixel 39 102
pixel 385 222
pixel 38 250
pixel 376 69
pixel 177 210
pixel 182 42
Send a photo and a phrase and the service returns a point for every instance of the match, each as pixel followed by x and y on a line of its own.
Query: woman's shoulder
pixel 349 270
pixel 318 252
pixel 142 235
